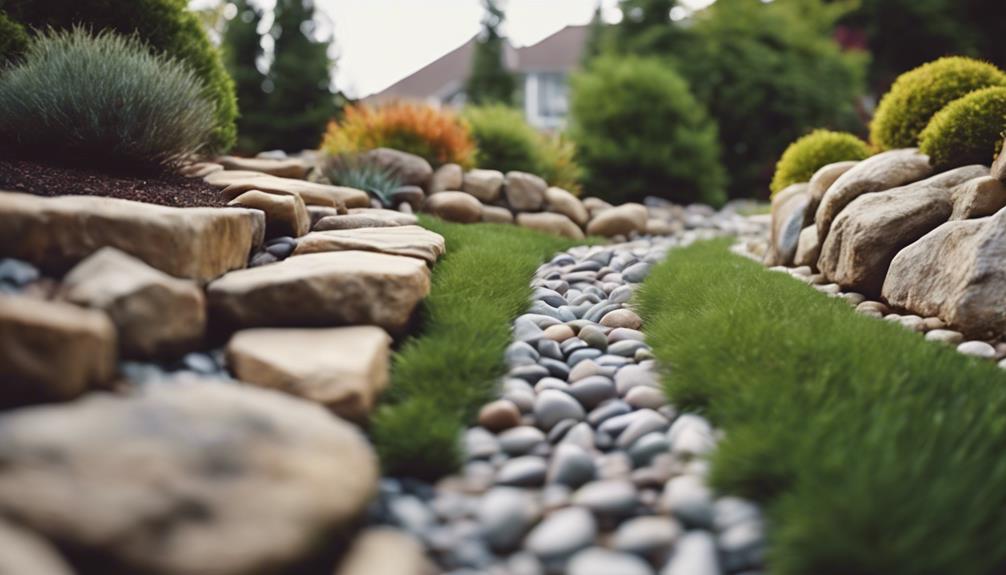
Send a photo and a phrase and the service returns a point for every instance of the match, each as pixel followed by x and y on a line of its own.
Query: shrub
pixel 814 151
pixel 557 158
pixel 639 131
pixel 13 39
pixel 349 171
pixel 968 130
pixel 918 94
pixel 166 26
pixel 439 136
pixel 103 99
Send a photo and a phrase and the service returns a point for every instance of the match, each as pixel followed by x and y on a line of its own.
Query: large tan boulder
pixel 808 249
pixel 322 290
pixel 385 551
pixel 621 220
pixel 343 368
pixel 562 202
pixel 549 223
pixel 485 185
pixel 283 168
pixel 596 205
pixel 285 215
pixel 193 243
pixel 789 207
pixel 196 477
pixel 25 553
pixel 156 315
pixel 52 351
pixel 496 215
pixel 955 272
pixel 978 198
pixel 999 165
pixel 411 169
pixel 881 172
pixel 454 207
pixel 819 184
pixel 312 193
pixel 365 218
pixel 447 177
pixel 524 192
pixel 411 241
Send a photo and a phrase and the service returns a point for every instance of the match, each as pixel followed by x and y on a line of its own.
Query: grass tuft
pixel 874 450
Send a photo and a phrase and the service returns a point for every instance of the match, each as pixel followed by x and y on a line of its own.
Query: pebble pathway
pixel 582 467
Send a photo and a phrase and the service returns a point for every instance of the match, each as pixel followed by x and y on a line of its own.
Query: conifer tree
pixel 490 81
pixel 242 48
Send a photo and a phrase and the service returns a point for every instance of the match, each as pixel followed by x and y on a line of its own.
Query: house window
pixel 553 95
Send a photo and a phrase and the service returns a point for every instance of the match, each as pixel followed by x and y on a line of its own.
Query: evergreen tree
pixel 242 48
pixel 490 81
pixel 597 37
pixel 647 28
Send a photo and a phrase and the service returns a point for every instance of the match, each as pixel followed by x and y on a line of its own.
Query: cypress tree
pixel 242 48
pixel 597 37
pixel 490 81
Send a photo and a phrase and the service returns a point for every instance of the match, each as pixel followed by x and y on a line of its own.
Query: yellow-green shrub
pixel 918 94
pixel 968 130
pixel 814 151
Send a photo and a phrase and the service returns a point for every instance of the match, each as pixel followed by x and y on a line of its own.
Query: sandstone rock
pixel 318 213
pixel 454 207
pixel 819 184
pixel 808 249
pixel 410 168
pixel 496 215
pixel 365 218
pixel 661 227
pixel 874 227
pixel 200 169
pixel 313 193
pixel 156 315
pixel 999 166
pixel 485 185
pixel 223 178
pixel 788 208
pixel 51 351
pixel 285 168
pixel 881 172
pixel 24 553
pixel 955 272
pixel 195 477
pixel 344 368
pixel 385 551
pixel 595 206
pixel 978 198
pixel 323 289
pixel 194 243
pixel 411 241
pixel 284 215
pixel 411 195
pixel 446 178
pixel 623 220
pixel 562 202
pixel 525 192
pixel 555 224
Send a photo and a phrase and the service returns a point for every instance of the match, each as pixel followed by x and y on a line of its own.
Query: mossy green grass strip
pixel 445 373
pixel 874 451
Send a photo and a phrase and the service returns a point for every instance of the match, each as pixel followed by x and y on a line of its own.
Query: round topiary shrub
pixel 968 130
pixel 812 152
pixel 103 101
pixel 13 40
pixel 918 94
pixel 639 131
pixel 166 26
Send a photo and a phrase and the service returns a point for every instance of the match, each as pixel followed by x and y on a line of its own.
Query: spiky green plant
pixel 348 170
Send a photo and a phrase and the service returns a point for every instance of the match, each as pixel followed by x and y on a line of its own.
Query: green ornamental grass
pixel 103 100
pixel 812 152
pixel 873 450
pixel 968 130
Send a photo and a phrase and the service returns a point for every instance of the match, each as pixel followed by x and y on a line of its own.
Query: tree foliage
pixel 242 52
pixel 489 81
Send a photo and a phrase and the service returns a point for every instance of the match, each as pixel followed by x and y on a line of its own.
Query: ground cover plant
pixel 442 376
pixel 874 450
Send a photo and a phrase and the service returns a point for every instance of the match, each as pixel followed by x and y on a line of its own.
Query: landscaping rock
pixel 694 554
pixel 978 198
pixel 408 198
pixel 562 202
pixel 313 194
pixel 446 178
pixel 485 185
pixel 505 514
pixel 621 318
pixel 51 351
pixel 595 206
pixel 284 215
pixel 978 349
pixel 496 215
pixel 499 415
pixel 345 369
pixel 819 184
pixel 285 168
pixel 620 221
pixel 562 533
pixel 600 561
pixel 454 207
pixel 381 550
pixel 808 249
pixel 169 480
pixel 24 553
pixel 194 243
pixel 318 213
pixel 324 290
pixel 999 166
pixel 411 169
pixel 365 218
pixel 200 169
pixel 945 336
pixel 955 272
pixel 788 208
pixel 549 223
pixel 881 172
pixel 156 315
pixel 411 241
pixel 525 192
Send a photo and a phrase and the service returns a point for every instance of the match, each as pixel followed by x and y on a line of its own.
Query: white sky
pixel 379 42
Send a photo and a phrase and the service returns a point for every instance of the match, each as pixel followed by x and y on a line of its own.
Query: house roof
pixel 560 52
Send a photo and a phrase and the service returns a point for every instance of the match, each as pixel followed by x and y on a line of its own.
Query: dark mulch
pixel 47 180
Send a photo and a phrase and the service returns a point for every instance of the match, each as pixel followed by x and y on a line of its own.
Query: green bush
pixel 105 100
pixel 639 131
pixel 13 39
pixel 968 130
pixel 918 94
pixel 167 26
pixel 814 151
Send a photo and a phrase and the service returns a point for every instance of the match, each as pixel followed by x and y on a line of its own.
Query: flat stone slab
pixel 193 243
pixel 322 290
pixel 411 241
pixel 344 368
pixel 314 194
pixel 286 168
pixel 365 218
